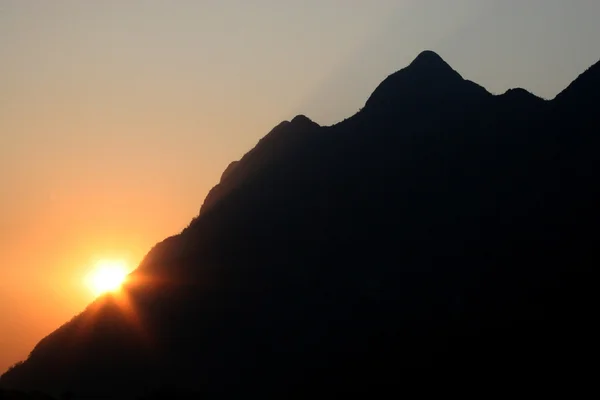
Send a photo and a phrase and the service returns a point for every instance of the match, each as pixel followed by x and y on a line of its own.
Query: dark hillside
pixel 440 229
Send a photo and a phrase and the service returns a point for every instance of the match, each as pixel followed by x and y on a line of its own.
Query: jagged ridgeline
pixel 440 228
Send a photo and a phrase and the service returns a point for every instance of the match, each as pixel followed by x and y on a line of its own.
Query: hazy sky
pixel 116 117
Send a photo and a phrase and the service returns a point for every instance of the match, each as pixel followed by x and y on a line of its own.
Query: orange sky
pixel 117 117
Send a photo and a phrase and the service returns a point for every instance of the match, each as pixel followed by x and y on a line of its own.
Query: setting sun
pixel 107 276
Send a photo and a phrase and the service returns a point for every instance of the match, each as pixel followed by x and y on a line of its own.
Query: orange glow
pixel 107 276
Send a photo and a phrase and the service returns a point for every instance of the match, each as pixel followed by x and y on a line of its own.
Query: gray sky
pixel 116 117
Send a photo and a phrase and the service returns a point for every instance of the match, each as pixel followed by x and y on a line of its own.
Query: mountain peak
pixel 430 63
pixel 301 119
pixel 428 57
pixel 424 81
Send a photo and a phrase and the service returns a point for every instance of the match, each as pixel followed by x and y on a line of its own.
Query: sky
pixel 118 116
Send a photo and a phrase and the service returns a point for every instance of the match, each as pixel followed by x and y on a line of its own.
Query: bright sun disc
pixel 107 276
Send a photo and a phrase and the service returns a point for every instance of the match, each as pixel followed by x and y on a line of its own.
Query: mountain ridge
pixel 250 163
pixel 425 81
pixel 437 219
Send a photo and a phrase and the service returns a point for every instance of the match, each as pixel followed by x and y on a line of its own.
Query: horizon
pixel 117 123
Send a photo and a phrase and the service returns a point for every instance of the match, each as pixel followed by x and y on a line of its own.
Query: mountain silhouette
pixel 272 147
pixel 440 230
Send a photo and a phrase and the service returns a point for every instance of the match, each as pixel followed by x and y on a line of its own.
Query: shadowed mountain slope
pixel 440 229
pixel 273 147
